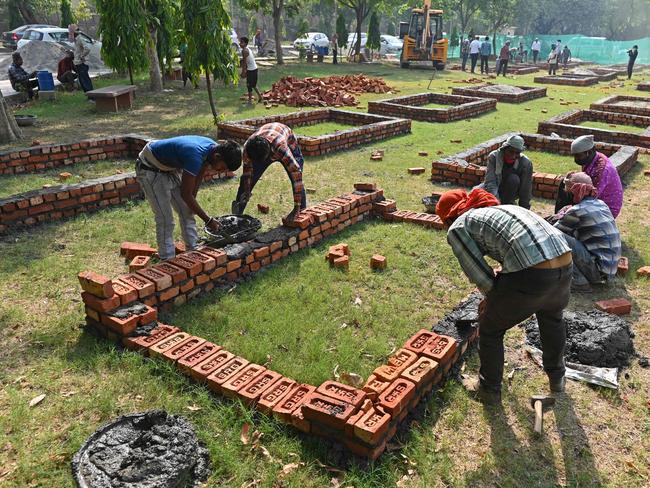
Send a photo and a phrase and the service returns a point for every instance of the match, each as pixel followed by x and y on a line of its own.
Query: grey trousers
pixel 163 192
pixel 585 270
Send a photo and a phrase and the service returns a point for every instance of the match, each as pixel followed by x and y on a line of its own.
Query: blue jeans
pixel 585 270
pixel 258 171
pixel 84 78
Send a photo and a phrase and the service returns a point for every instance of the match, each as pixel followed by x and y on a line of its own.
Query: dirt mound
pixel 142 450
pixel 594 338
pixel 331 91
pixel 513 90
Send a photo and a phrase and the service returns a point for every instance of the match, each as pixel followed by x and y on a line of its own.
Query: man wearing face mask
pixel 602 172
pixel 509 174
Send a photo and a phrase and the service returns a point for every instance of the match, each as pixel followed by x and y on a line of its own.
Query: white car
pixel 311 40
pixel 55 34
pixel 352 37
pixel 390 45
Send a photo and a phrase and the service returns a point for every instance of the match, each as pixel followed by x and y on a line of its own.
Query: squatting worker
pixel 170 172
pixel 509 173
pixel 535 278
pixel 271 142
pixel 602 172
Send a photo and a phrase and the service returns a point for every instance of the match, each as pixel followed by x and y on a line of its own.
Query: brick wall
pixel 522 70
pixel 568 79
pixel 530 93
pixel 461 107
pixel 643 86
pixel 370 128
pixel 564 125
pixel 609 104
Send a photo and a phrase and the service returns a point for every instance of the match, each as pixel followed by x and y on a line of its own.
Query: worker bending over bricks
pixel 271 142
pixel 602 172
pixel 591 233
pixel 535 278
pixel 170 172
pixel 509 173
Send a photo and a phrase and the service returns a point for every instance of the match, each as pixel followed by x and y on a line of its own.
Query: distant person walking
pixel 535 48
pixel 504 56
pixel 566 56
pixel 632 53
pixel 81 52
pixel 486 50
pixel 182 52
pixel 464 52
pixel 249 69
pixel 552 60
pixel 474 51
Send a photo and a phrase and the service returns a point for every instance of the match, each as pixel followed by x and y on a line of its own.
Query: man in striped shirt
pixel 271 142
pixel 535 278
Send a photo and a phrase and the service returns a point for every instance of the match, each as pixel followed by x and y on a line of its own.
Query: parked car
pixel 390 45
pixel 352 38
pixel 10 38
pixel 311 40
pixel 54 34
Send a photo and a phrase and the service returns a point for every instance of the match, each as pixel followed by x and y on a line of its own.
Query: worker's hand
pixel 213 226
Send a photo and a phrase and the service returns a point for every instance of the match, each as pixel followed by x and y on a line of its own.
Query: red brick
pixel 171 341
pixel 422 372
pixel 143 286
pixel 298 420
pixel 342 262
pixel 377 261
pixel 121 326
pixel 270 397
pixel 226 371
pixel 138 262
pixel 182 349
pixel 252 391
pixel 375 386
pixel 202 370
pixel 149 316
pixel 126 293
pixel 264 209
pixel 209 263
pixel 387 372
pixel 241 379
pixel 442 349
pixel 283 409
pixel 100 304
pixel 345 393
pixel 179 247
pixel 161 280
pixel 191 267
pixel 233 265
pixel 218 273
pixel 616 306
pixel 177 274
pixel 276 245
pixel 187 286
pixel 397 396
pixel 365 186
pixel 261 252
pixel 160 332
pixel 372 426
pixel 643 271
pixel 219 255
pixel 341 247
pixel 416 171
pixel 402 358
pixel 623 266
pixel 133 249
pixel 418 341
pixel 96 284
pixel 326 410
pixel 361 450
pixel 93 314
pixel 302 220
pixel 168 294
pixel 334 254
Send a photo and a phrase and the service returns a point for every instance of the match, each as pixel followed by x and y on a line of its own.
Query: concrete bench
pixel 113 98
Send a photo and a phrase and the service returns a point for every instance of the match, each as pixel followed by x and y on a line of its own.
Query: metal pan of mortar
pixel 234 229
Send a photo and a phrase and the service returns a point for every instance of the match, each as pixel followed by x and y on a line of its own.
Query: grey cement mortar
pixel 142 450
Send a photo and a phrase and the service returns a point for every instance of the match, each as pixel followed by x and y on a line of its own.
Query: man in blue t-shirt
pixel 170 172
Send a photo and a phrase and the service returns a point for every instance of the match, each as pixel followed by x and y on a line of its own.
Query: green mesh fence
pixel 594 49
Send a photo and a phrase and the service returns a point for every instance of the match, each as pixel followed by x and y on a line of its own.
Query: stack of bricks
pixel 567 79
pixel 529 93
pixel 460 107
pixel 427 220
pixel 566 124
pixel 370 128
pixel 643 86
pixel 62 201
pixel 627 104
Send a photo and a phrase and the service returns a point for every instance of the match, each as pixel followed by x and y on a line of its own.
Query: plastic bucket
pixel 45 80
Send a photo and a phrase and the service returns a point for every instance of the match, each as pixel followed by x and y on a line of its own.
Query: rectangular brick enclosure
pixel 567 79
pixel 467 168
pixel 370 128
pixel 410 106
pixel 524 69
pixel 625 104
pixel 529 93
pixel 565 125
pixel 643 86
pixel 61 201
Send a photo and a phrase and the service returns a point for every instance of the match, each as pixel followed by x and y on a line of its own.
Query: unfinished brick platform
pixel 362 419
pixel 371 128
pixel 530 93
pixel 523 69
pixel 626 104
pixel 567 79
pixel 460 107
pixel 643 86
pixel 467 168
pixel 62 201
pixel 565 125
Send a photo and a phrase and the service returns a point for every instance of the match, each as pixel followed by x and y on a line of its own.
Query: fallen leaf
pixel 330 469
pixel 352 379
pixel 335 373
pixel 335 483
pixel 265 453
pixel 289 468
pixel 357 301
pixel 36 400
pixel 193 408
pixel 67 394
pixel 243 435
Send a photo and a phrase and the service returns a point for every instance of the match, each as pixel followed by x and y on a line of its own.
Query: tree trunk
pixel 277 27
pixel 27 12
pixel 9 130
pixel 128 62
pixel 155 78
pixel 357 41
pixel 212 105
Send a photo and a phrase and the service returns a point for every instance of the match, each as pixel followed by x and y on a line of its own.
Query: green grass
pixel 10 185
pixel 546 162
pixel 322 129
pixel 292 315
pixel 437 105
pixel 615 127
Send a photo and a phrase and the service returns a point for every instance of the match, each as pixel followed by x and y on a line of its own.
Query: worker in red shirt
pixel 65 71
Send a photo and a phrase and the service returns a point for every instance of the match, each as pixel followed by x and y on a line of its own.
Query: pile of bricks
pixel 460 107
pixel 467 168
pixel 626 104
pixel 567 79
pixel 370 128
pixel 332 91
pixel 643 86
pixel 566 125
pixel 529 93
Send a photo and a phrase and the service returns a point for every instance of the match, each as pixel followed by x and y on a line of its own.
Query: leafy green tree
pixel 453 39
pixel 207 27
pixel 15 17
pixel 498 14
pixel 303 27
pixel 82 11
pixel 374 39
pixel 66 13
pixel 341 31
pixel 361 10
